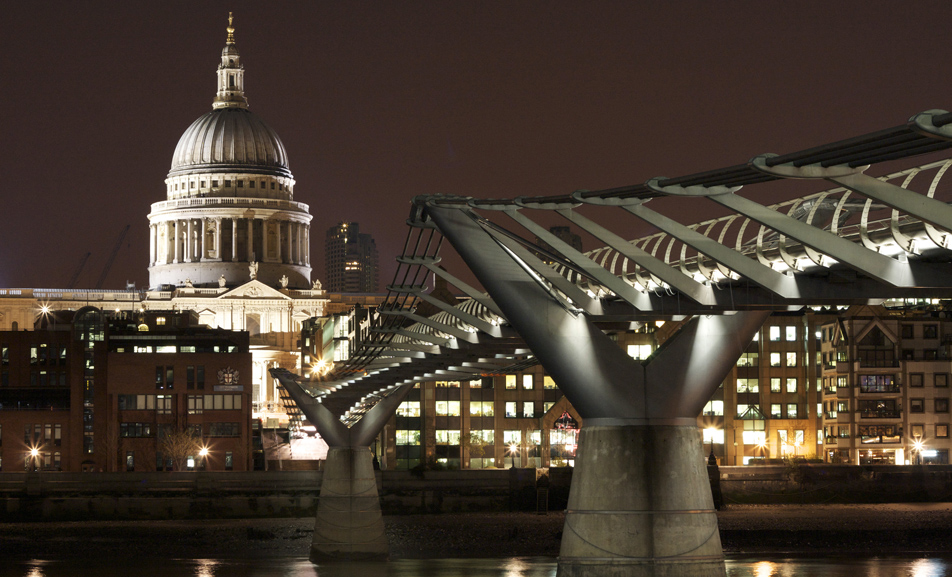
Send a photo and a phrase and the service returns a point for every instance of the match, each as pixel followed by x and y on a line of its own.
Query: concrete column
pixel 234 239
pixel 662 522
pixel 349 525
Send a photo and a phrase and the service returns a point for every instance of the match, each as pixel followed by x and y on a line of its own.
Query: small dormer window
pixel 214 184
pixel 251 184
pixel 231 81
pixel 241 184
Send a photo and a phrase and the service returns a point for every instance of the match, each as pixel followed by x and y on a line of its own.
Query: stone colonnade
pixel 204 239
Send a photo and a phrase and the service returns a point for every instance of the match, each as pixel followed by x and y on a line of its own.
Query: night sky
pixel 379 101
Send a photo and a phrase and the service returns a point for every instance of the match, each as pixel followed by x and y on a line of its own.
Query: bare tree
pixel 178 444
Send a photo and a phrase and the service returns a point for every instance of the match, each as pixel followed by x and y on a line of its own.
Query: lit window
pixel 791 359
pixel 754 437
pixel 747 386
pixel 774 333
pixel 791 385
pixel 528 409
pixel 409 409
pixel 510 381
pixel 714 408
pixel 548 383
pixel 774 359
pixel 791 410
pixel 447 408
pixel 511 409
pixel 791 333
pixel 526 381
pixel 774 384
pixel 775 411
pixel 639 351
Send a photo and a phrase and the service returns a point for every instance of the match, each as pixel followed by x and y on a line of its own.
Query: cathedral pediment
pixel 254 290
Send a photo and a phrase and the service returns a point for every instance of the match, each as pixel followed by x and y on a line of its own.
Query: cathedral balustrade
pixel 228 202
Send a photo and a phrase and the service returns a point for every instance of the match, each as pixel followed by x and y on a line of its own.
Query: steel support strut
pixel 640 502
pixel 349 525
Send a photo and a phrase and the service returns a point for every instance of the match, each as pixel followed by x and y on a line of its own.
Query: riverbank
pixel 745 529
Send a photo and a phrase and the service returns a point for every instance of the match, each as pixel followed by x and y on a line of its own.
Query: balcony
pixel 881 414
pixel 894 388
pixel 878 363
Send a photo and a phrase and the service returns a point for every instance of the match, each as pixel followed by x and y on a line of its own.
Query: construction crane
pixel 112 257
pixel 79 269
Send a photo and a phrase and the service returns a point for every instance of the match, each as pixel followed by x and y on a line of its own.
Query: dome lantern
pixel 231 75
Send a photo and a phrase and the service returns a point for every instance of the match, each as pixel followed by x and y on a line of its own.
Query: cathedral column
pixel 290 243
pixel 190 241
pixel 177 247
pixel 251 239
pixel 169 236
pixel 292 249
pixel 219 238
pixel 202 252
pixel 277 240
pixel 152 233
pixel 234 239
pixel 306 249
pixel 300 243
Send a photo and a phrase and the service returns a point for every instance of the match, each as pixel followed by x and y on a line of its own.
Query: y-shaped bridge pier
pixel 640 502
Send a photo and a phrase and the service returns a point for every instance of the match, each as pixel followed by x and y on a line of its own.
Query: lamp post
pixel 711 459
pixel 514 452
pixel 34 457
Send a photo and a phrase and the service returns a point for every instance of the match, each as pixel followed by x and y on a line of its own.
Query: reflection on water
pixel 514 567
pixel 838 567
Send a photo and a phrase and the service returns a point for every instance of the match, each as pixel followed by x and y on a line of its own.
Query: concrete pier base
pixel 349 525
pixel 640 505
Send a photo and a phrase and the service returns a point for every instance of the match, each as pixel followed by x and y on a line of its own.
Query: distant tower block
pixel 350 259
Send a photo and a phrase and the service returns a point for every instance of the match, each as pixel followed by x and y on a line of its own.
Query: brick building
pixel 92 390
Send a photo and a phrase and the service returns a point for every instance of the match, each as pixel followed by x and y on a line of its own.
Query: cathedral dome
pixel 230 139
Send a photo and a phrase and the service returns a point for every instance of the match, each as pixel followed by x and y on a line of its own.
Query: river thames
pixel 509 567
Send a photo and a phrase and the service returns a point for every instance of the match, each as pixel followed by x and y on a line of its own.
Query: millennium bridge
pixel 640 501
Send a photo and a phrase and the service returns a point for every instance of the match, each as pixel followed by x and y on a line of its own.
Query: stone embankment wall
pixel 204 495
pixel 819 483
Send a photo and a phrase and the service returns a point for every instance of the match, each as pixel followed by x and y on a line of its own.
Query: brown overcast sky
pixel 379 101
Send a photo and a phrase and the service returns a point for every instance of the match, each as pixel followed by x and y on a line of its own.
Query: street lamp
pixel 917 449
pixel 514 452
pixel 35 457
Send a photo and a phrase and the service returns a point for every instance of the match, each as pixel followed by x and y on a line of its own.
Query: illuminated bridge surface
pixel 860 239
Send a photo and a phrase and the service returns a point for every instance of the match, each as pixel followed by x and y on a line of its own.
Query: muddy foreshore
pixel 745 529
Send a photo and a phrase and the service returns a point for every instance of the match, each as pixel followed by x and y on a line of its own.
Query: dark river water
pixel 514 567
